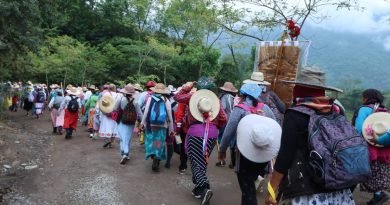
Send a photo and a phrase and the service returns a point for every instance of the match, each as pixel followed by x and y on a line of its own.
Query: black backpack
pixel 129 114
pixel 73 105
pixel 41 97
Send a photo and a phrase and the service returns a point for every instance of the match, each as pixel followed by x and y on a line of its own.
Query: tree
pixel 19 32
pixel 270 14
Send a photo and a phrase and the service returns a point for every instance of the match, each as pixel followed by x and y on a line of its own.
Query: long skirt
pixel 91 115
pixel 27 105
pixel 343 197
pixel 199 160
pixel 38 108
pixel 70 119
pixel 125 134
pixel 108 127
pixel 53 115
pixel 155 143
pixel 380 178
pixel 60 118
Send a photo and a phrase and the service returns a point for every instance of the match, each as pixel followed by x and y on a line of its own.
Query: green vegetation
pixel 173 41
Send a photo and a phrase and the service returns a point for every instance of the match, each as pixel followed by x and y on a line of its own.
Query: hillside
pixel 342 56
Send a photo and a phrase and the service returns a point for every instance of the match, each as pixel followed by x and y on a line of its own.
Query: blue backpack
pixel 158 111
pixel 339 156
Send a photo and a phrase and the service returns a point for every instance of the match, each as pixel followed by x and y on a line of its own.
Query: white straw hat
pixel 258 78
pixel 258 138
pixel 73 91
pixel 160 88
pixel 378 123
pixel 106 104
pixel 204 101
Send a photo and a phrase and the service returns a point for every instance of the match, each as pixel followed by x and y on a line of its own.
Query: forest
pixel 121 41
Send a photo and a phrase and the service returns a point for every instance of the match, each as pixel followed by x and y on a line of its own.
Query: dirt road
pixel 80 171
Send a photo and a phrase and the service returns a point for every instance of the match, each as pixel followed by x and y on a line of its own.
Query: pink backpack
pixel 254 110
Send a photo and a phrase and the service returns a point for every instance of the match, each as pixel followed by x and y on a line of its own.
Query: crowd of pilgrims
pixel 267 141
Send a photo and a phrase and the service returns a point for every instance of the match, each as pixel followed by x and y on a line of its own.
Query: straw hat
pixel 73 91
pixel 15 86
pixel 29 82
pixel 203 101
pixel 128 89
pixel 312 77
pixel 258 138
pixel 138 87
pixel 257 78
pixel 160 89
pixel 92 87
pixel 171 88
pixel 229 87
pixel 69 86
pixel 378 123
pixel 106 104
pixel 85 89
pixel 53 86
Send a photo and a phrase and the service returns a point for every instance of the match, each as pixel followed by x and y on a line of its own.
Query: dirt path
pixel 80 171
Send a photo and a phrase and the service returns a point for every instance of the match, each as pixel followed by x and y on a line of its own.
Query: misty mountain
pixel 343 56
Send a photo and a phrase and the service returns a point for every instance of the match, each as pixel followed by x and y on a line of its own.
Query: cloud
pixel 373 19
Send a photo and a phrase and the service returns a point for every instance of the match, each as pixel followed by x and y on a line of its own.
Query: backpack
pixel 41 97
pixel 338 155
pixel 129 114
pixel 253 110
pixel 73 105
pixel 158 111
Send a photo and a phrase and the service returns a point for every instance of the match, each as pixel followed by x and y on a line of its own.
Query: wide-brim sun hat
pixel 229 87
pixel 73 91
pixel 258 138
pixel 53 86
pixel 204 101
pixel 314 78
pixel 29 83
pixel 128 89
pixel 378 123
pixel 68 87
pixel 106 104
pixel 160 88
pixel 138 87
pixel 92 87
pixel 171 88
pixel 251 89
pixel 257 78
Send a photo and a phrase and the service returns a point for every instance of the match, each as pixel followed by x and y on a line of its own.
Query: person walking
pixel 108 106
pixel 57 117
pixel 206 117
pixel 90 109
pixel 250 163
pixel 71 105
pixel 228 93
pixel 292 182
pixel 156 120
pixel 366 124
pixel 127 120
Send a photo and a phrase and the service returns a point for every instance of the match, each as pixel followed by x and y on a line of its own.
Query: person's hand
pixel 373 138
pixel 221 156
pixel 269 200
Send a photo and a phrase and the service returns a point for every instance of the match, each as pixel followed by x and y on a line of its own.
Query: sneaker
pixel 90 135
pixel 206 196
pixel 220 164
pixel 182 171
pixel 123 160
pixel 155 165
pixel 197 192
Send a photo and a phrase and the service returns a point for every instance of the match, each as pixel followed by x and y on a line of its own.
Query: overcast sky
pixel 373 19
